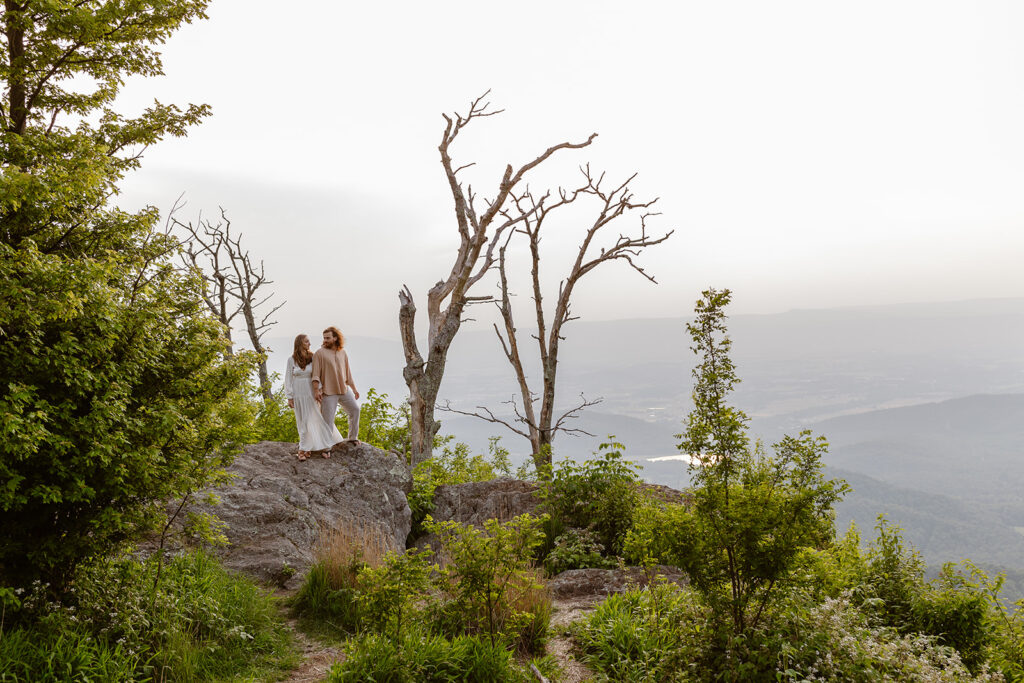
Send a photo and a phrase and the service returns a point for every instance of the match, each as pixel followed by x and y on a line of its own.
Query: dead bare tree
pixel 529 214
pixel 233 281
pixel 479 232
pixel 205 254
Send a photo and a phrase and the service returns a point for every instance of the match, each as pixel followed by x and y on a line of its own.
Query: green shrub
pixel 835 641
pixel 391 595
pixel 1006 622
pixel 382 424
pixel 887 584
pixel 654 535
pixel 664 633
pixel 954 610
pixel 829 572
pixel 576 549
pixel 893 579
pixel 599 495
pixel 198 623
pixel 487 569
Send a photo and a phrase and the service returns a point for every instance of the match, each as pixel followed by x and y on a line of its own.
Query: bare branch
pixel 235 284
pixel 486 415
pixel 573 414
pixel 528 214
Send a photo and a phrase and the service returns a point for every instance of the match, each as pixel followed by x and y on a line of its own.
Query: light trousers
pixel 329 408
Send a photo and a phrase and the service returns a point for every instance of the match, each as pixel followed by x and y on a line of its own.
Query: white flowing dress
pixel 314 432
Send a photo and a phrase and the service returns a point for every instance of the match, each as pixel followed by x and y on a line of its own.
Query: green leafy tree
pixel 381 423
pixel 752 514
pixel 114 395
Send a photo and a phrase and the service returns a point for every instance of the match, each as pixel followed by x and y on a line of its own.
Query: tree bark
pixel 18 88
pixel 511 349
pixel 257 346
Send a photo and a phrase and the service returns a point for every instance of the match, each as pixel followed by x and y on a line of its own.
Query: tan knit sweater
pixel 330 369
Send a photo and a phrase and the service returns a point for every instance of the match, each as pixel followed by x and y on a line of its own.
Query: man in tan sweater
pixel 331 380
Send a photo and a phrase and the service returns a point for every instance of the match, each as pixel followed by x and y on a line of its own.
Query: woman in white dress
pixel 314 432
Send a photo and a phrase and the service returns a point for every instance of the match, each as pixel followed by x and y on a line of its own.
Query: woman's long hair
pixel 300 355
pixel 338 335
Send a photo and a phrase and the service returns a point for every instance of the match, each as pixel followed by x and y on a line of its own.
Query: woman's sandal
pixel 326 454
pixel 302 455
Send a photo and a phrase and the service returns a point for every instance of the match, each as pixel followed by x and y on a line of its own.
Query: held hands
pixel 291 403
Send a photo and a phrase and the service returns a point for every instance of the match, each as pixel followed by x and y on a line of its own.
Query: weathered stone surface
pixel 597 584
pixel 476 502
pixel 277 507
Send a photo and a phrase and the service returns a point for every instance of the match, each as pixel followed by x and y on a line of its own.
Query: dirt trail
pixel 317 658
pixel 560 646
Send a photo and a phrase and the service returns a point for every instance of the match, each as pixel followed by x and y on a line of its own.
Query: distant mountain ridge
pixel 971 447
pixel 942 528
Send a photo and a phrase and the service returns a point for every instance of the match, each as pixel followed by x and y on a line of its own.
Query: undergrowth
pixel 115 623
pixel 409 619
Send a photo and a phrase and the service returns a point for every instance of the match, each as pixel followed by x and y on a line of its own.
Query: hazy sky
pixel 808 154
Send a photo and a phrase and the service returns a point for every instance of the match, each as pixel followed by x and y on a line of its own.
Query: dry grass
pixel 533 598
pixel 346 547
pixel 531 594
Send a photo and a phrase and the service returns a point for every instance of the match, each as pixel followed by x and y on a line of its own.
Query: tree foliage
pixel 114 394
pixel 599 495
pixel 752 514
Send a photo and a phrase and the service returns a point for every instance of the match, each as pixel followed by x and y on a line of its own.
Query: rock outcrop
pixel 474 503
pixel 277 508
pixel 594 585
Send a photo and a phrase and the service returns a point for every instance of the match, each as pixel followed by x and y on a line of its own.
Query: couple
pixel 315 383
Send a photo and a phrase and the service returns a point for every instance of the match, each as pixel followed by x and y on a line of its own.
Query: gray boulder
pixel 277 509
pixel 476 502
pixel 596 584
